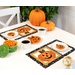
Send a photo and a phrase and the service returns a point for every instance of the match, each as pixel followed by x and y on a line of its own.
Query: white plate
pixel 54 46
pixel 16 33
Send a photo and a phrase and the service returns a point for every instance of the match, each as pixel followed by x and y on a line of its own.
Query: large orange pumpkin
pixel 48 24
pixel 36 17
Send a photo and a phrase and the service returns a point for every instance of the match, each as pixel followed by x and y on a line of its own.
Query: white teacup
pixel 42 31
pixel 25 44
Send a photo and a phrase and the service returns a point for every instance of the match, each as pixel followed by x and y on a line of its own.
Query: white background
pixel 35 3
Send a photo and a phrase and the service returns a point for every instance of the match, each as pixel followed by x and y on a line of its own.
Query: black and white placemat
pixel 32 31
pixel 36 54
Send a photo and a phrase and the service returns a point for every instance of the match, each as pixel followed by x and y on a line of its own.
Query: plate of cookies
pixel 59 46
pixel 11 34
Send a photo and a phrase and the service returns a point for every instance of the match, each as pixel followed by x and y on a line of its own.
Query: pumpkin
pixel 36 17
pixel 47 56
pixel 48 24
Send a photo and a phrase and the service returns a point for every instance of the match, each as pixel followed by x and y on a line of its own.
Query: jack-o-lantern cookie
pixel 47 56
pixel 23 30
pixel 11 34
pixel 60 46
pixel 34 39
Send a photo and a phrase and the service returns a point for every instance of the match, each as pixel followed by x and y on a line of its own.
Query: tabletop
pixel 19 59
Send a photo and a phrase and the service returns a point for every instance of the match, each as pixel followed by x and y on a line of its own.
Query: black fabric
pixel 20 35
pixel 62 55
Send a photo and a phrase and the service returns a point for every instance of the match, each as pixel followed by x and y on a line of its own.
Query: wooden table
pixel 19 59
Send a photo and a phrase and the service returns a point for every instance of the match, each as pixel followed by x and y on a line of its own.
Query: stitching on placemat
pixel 20 35
pixel 45 66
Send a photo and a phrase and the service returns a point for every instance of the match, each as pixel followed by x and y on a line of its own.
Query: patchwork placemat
pixel 46 55
pixel 26 28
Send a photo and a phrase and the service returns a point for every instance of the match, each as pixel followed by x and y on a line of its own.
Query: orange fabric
pixel 47 56
pixel 23 30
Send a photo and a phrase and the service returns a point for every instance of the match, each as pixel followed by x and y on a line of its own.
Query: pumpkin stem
pixel 47 22
pixel 42 51
pixel 36 10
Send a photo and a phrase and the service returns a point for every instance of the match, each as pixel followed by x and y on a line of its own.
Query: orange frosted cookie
pixel 34 39
pixel 11 34
pixel 59 46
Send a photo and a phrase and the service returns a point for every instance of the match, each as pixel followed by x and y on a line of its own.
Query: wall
pixel 4 19
pixel 66 18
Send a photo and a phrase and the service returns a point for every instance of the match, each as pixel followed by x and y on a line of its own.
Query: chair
pixel 10 11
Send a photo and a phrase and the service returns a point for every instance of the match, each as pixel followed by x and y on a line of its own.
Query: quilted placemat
pixel 28 30
pixel 46 55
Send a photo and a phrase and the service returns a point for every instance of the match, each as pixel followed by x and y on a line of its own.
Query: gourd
pixel 48 24
pixel 36 17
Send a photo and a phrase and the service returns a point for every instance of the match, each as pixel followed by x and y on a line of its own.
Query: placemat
pixel 46 55
pixel 20 35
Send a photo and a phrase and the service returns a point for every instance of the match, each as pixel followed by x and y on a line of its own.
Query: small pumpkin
pixel 47 56
pixel 36 17
pixel 48 24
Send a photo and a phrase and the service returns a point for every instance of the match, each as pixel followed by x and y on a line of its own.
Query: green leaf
pixel 36 7
pixel 28 12
pixel 25 32
pixel 23 13
pixel 32 7
pixel 43 50
pixel 51 13
pixel 55 14
pixel 47 9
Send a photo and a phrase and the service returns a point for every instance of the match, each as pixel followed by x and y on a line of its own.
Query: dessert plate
pixel 11 34
pixel 59 46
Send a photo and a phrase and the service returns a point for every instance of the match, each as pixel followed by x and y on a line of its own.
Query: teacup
pixel 42 31
pixel 25 44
